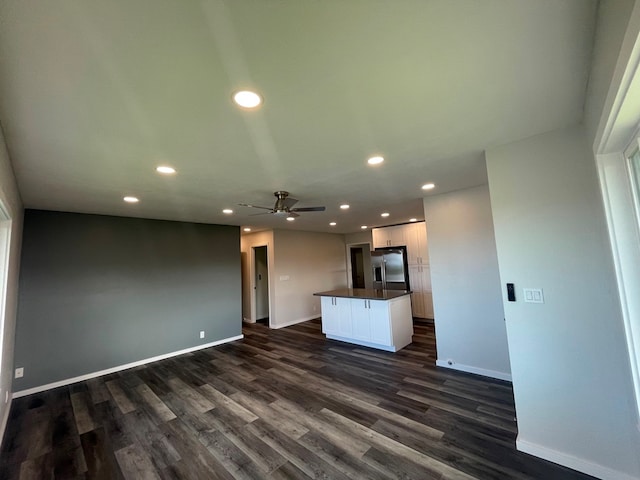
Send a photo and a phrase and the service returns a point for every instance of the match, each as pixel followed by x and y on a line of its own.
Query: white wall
pixel 468 312
pixel 571 377
pixel 247 242
pixel 313 262
pixel 363 236
pixel 12 202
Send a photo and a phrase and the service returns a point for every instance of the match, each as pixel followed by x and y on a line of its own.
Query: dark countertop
pixel 364 293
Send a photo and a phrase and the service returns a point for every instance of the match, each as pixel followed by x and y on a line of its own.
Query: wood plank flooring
pixel 279 404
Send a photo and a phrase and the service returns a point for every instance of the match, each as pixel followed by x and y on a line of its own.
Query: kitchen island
pixel 372 318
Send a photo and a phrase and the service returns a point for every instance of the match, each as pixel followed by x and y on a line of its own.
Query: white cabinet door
pixel 420 280
pixel 380 237
pixel 415 278
pixel 380 322
pixel 417 250
pixel 330 316
pixel 343 307
pixel 397 236
pixel 413 250
pixel 427 299
pixel 415 282
pixel 417 305
pixel 421 238
pixel 389 236
pixel 425 274
pixel 360 315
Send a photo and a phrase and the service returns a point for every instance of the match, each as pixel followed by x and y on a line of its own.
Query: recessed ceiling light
pixel 290 219
pixel 413 219
pixel 246 229
pixel 228 211
pixel 332 224
pixel 428 186
pixel 375 160
pixel 131 199
pixel 364 227
pixel 165 170
pixel 247 99
pixel 344 207
pixel 385 214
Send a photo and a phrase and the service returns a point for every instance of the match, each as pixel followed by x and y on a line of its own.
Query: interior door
pixel 357 267
pixel 261 283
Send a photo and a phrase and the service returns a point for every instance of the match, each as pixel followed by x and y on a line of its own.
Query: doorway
pixel 261 284
pixel 357 267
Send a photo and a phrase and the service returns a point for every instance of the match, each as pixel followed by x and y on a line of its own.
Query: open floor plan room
pixel 277 404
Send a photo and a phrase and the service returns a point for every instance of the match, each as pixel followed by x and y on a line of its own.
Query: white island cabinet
pixel 372 318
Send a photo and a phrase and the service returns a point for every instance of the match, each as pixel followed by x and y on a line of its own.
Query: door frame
pixel 252 283
pixel 6 226
pixel 349 247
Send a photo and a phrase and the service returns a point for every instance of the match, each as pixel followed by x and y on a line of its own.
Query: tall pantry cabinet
pixel 414 237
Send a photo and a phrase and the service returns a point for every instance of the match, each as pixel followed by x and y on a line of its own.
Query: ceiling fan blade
pixel 254 206
pixel 261 213
pixel 289 202
pixel 308 209
pixel 293 215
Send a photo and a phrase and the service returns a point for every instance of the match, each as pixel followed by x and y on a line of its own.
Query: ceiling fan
pixel 282 207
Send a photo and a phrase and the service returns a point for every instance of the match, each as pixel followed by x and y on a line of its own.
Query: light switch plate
pixel 533 295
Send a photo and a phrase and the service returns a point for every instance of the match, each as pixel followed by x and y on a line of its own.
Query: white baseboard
pixel 293 322
pixel 5 419
pixel 69 381
pixel 475 370
pixel 248 320
pixel 572 462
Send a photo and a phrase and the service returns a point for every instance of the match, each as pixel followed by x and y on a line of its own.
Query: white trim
pixel 475 370
pixel 614 127
pixel 252 281
pixel 623 237
pixel 570 461
pixel 349 246
pixel 5 418
pixel 294 322
pixel 248 320
pixel 88 376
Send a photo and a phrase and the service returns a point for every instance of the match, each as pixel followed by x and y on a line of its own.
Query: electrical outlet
pixel 202 334
pixel 19 372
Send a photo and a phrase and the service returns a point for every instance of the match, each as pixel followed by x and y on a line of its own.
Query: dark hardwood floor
pixel 278 404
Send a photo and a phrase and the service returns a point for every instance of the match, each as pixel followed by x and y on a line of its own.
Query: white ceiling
pixel 95 94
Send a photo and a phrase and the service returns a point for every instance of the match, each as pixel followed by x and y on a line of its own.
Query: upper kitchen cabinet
pixel 416 237
pixel 389 236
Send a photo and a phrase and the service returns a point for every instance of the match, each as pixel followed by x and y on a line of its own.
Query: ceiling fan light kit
pixel 282 207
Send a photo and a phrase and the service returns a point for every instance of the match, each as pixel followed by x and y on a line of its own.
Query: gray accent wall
pixel 97 292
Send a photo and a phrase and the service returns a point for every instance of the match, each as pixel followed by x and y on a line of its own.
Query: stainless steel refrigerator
pixel 390 271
